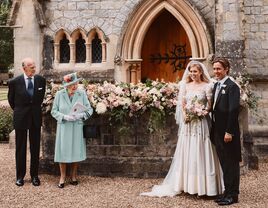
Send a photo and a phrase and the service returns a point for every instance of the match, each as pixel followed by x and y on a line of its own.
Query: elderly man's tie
pixel 30 88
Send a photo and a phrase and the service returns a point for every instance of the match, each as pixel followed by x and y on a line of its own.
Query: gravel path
pixel 97 192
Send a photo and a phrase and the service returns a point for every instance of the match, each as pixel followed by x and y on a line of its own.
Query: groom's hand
pixel 228 137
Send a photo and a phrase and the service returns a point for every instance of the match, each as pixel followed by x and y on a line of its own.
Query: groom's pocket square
pixel 40 88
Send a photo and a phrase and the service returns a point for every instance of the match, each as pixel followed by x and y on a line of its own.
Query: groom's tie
pixel 218 87
pixel 30 88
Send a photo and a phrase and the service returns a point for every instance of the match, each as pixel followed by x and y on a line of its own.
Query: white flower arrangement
pixel 133 98
pixel 122 100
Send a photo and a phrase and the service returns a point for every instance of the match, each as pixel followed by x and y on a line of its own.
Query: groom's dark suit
pixel 225 119
pixel 27 116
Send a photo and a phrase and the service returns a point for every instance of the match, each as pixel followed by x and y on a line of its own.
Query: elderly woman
pixel 70 145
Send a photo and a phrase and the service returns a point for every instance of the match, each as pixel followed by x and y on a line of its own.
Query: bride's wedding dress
pixel 195 168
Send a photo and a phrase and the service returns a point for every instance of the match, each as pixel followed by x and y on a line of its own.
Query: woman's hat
pixel 70 79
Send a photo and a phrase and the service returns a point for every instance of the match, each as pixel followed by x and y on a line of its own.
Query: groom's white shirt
pixel 223 80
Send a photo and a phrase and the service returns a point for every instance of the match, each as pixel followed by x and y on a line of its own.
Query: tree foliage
pixel 6 38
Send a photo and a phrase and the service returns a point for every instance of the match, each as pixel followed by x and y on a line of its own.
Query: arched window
pixel 96 50
pixel 64 50
pixel 80 50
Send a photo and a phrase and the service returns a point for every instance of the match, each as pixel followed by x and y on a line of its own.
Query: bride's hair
pixel 199 67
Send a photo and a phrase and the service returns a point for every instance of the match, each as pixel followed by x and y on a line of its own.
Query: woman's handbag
pixel 91 131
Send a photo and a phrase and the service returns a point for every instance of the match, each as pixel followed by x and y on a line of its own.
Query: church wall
pixel 256 51
pixel 112 17
pixel 28 38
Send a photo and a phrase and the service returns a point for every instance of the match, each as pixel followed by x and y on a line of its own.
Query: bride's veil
pixel 182 83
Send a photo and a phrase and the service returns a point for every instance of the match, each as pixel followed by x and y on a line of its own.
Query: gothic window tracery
pixel 80 50
pixel 64 50
pixel 96 50
pixel 79 47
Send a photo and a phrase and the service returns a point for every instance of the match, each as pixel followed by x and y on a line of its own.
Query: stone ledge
pixel 137 167
pixel 260 141
pixel 259 77
pixel 90 75
pixel 259 131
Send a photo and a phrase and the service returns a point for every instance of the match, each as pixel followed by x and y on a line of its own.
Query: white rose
pixel 101 108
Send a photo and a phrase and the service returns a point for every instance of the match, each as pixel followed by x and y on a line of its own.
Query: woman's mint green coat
pixel 70 145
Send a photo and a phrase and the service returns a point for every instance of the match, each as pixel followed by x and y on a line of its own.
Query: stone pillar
pixel 134 69
pixel 250 160
pixel 103 45
pixel 88 53
pixel 28 39
pixel 72 53
pixel 229 32
pixel 133 73
pixel 138 72
pixel 56 53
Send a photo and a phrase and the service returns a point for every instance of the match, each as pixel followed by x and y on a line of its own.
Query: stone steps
pixel 260 141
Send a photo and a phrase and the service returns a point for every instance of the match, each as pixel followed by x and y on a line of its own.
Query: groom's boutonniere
pixel 223 91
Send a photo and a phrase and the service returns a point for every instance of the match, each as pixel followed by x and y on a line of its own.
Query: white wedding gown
pixel 195 168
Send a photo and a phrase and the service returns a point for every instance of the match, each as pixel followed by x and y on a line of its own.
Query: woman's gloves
pixel 69 118
pixel 74 117
pixel 79 116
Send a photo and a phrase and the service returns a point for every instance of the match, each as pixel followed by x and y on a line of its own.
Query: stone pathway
pixel 97 192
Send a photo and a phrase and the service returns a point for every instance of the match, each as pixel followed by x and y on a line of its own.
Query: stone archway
pixel 139 23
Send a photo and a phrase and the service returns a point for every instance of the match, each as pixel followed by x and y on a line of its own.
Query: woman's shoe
pixel 61 185
pixel 74 183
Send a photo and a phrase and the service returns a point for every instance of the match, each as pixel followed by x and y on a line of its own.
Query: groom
pixel 225 133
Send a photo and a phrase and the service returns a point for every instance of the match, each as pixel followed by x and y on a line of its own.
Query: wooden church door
pixel 166 49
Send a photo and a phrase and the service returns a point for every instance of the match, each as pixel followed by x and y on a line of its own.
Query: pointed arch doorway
pixel 166 49
pixel 138 25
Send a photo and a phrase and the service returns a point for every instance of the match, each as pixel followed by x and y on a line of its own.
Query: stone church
pixel 132 40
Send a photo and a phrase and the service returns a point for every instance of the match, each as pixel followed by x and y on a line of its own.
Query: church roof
pixel 15 9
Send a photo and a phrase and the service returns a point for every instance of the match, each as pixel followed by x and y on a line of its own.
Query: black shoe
pixel 61 185
pixel 20 182
pixel 35 181
pixel 228 200
pixel 219 198
pixel 74 183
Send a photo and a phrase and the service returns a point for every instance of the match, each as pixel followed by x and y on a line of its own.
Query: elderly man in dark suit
pixel 25 96
pixel 225 129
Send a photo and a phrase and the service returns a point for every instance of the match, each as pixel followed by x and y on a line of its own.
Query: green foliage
pixel 248 96
pixel 120 117
pixel 6 125
pixel 156 120
pixel 6 38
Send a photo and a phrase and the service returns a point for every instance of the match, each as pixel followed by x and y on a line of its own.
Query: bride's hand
pixel 186 119
pixel 206 112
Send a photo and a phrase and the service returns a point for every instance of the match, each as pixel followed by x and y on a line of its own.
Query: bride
pixel 195 167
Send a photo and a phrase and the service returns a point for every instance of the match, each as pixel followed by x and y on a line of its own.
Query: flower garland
pixel 127 100
pixel 248 98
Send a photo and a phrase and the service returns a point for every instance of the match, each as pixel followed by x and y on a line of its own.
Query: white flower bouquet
pixel 194 110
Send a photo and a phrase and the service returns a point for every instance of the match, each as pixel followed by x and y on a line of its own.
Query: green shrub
pixel 6 125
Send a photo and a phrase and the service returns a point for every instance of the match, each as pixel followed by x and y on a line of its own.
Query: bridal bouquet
pixel 194 110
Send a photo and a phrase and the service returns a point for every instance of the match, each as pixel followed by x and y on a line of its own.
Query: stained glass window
pixel 96 50
pixel 80 50
pixel 64 50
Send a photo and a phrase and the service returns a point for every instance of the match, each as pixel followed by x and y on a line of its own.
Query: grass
pixel 3 93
